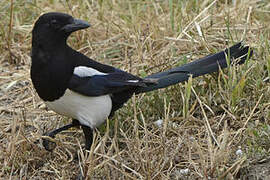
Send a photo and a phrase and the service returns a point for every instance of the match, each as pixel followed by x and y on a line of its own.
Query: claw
pixel 48 145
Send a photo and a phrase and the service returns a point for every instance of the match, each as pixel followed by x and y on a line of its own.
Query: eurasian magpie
pixel 73 85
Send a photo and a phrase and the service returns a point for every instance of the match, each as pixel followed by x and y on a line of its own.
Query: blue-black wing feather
pixel 98 85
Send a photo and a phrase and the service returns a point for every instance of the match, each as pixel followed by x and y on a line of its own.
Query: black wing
pixel 111 83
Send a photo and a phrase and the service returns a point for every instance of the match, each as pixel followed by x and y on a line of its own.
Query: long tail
pixel 199 67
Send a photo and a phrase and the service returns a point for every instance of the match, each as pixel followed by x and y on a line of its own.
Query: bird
pixel 76 86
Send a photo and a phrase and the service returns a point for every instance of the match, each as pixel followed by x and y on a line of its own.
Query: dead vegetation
pixel 215 126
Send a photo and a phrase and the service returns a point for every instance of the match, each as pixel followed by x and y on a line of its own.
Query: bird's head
pixel 57 26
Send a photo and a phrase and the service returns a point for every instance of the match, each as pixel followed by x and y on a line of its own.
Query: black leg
pixel 88 134
pixel 48 145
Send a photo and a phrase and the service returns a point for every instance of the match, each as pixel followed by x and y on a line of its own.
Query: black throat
pixel 52 68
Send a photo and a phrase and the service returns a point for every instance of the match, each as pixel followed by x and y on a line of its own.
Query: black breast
pixel 50 76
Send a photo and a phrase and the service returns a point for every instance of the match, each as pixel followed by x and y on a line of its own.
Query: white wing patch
pixel 83 71
pixel 90 111
pixel 133 81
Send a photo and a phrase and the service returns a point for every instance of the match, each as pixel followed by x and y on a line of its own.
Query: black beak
pixel 75 26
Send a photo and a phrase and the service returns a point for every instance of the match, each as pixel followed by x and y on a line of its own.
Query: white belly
pixel 90 111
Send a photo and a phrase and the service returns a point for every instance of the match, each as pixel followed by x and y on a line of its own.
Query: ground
pixel 157 135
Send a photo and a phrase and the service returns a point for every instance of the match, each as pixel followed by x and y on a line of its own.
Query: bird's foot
pixel 48 144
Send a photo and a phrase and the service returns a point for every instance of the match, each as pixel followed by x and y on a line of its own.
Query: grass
pixel 205 121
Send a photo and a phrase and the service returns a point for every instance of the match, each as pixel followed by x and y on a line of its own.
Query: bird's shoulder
pixel 85 66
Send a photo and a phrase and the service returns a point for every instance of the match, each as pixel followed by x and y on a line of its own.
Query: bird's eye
pixel 54 23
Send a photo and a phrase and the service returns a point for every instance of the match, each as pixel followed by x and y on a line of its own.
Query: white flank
pixel 83 71
pixel 90 111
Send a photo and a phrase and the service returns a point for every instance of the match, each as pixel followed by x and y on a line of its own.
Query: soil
pixel 256 171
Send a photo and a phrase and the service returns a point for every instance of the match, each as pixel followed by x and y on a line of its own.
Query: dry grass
pixel 200 133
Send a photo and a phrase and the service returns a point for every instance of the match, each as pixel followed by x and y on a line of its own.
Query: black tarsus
pixel 50 146
pixel 88 134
